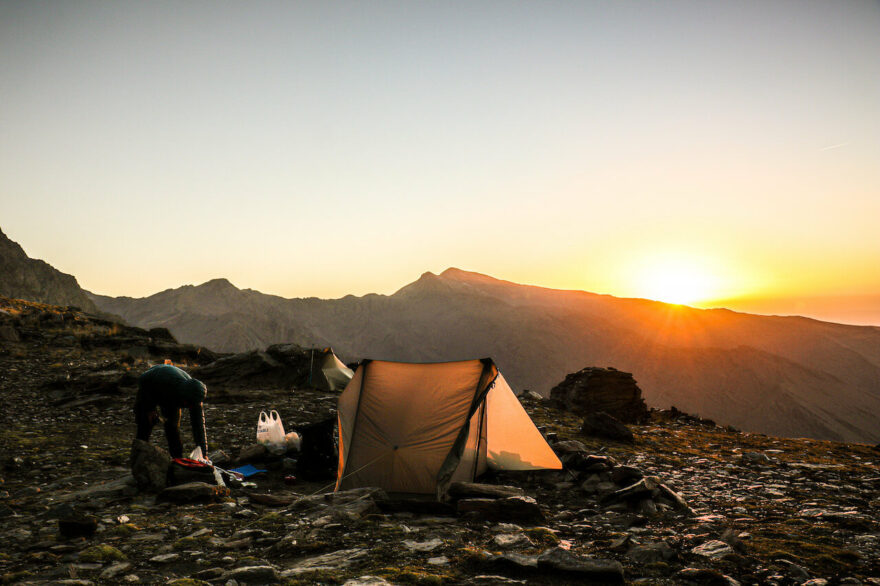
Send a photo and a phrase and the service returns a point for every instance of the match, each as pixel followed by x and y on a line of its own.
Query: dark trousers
pixel 146 419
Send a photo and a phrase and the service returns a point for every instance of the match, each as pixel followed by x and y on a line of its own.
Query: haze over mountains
pixel 788 376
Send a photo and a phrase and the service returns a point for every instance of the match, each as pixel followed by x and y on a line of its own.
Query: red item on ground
pixel 191 464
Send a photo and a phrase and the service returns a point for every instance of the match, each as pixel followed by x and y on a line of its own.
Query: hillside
pixel 753 509
pixel 789 376
pixel 35 280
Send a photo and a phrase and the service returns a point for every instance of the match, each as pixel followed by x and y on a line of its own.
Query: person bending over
pixel 167 389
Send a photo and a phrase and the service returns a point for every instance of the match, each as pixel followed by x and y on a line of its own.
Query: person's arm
pixel 197 420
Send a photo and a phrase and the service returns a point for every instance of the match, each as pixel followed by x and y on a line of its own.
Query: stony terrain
pixel 686 502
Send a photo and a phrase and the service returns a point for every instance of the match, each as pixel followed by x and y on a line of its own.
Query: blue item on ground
pixel 247 470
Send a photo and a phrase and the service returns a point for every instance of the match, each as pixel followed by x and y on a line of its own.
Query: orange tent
pixel 415 428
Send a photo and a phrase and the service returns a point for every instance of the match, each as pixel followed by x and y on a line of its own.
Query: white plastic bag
pixel 270 430
pixel 197 455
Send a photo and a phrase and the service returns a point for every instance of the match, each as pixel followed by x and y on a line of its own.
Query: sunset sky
pixel 700 152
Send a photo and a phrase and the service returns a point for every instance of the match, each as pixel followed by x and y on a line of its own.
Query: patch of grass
pixel 101 553
pixel 316 577
pixel 13 577
pixel 541 536
pixel 123 530
pixel 411 575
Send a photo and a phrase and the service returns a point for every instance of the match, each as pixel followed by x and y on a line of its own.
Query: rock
pixel 596 570
pixel 115 569
pixel 713 549
pixel 675 499
pixel 329 561
pixel 367 581
pixel 644 488
pixel 509 540
pixel 793 570
pixel 704 577
pixel 569 447
pixel 193 492
pixel 149 465
pixel 219 458
pixel 253 575
pixel 77 526
pixel 755 458
pixel 270 500
pixel 280 366
pixel 165 558
pixel 601 389
pixel 209 574
pixel 624 475
pixel 651 553
pixel 429 545
pixel 101 553
pixel 601 424
pixel 461 490
pixel 512 509
pixel 251 454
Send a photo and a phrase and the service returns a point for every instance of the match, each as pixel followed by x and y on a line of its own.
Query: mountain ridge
pixel 783 375
pixel 37 280
pixel 715 362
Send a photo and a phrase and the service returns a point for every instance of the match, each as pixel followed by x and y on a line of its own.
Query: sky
pixel 718 154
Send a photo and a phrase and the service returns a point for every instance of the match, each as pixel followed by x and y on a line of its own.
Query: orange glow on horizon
pixel 676 278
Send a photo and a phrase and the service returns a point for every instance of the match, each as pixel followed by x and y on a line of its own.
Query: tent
pixel 327 371
pixel 415 428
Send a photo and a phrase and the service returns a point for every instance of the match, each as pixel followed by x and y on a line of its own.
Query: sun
pixel 676 280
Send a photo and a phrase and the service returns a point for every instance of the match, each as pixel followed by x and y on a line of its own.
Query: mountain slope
pixel 22 277
pixel 783 375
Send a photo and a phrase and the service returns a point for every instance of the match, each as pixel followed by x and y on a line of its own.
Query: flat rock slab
pixel 429 545
pixel 601 571
pixel 463 490
pixel 713 549
pixel 253 575
pixel 329 561
pixel 705 576
pixel 519 509
pixel 367 581
pixel 193 492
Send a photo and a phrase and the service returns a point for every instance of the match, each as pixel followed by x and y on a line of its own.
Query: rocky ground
pixel 685 502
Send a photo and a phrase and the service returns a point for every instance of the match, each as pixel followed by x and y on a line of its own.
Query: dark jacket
pixel 170 389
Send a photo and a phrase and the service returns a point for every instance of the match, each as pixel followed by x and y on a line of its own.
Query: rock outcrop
pixel 279 366
pixel 22 277
pixel 594 389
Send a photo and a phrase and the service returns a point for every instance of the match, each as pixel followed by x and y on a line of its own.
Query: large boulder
pixel 279 366
pixel 595 389
pixel 149 465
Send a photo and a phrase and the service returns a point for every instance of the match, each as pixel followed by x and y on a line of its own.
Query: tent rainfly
pixel 415 428
pixel 328 372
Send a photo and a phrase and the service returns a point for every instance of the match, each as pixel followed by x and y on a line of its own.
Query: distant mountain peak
pixel 219 284
pixel 453 273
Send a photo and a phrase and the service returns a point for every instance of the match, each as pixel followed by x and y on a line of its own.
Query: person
pixel 169 389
